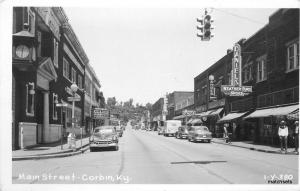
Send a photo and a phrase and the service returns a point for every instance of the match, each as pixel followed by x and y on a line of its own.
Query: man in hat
pixel 296 136
pixel 283 133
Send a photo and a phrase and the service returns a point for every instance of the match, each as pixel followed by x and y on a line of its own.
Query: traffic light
pixel 205 27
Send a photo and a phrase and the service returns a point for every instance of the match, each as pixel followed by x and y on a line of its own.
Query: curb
pixel 250 148
pixel 55 155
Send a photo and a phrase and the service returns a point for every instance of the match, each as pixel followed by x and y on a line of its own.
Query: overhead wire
pixel 239 16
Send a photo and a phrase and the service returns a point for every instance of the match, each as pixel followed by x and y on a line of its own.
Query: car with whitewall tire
pixel 103 137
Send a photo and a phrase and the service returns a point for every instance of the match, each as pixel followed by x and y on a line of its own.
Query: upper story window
pixel 80 81
pixel 73 75
pixel 22 15
pixel 55 52
pixel 30 99
pixel 54 102
pixel 247 73
pixel 65 68
pixel 261 69
pixel 293 56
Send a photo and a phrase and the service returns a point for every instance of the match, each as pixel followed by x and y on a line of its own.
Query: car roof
pixel 105 127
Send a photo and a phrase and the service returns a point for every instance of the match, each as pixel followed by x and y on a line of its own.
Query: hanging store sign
pixel 236 88
pixel 99 113
pixel 236 91
pixel 188 112
pixel 237 66
pixel 212 94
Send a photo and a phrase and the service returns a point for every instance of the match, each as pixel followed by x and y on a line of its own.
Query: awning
pixel 193 121
pixel 231 116
pixel 294 115
pixel 190 121
pixel 277 111
pixel 216 112
pixel 179 117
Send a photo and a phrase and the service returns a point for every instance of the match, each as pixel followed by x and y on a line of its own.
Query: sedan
pixel 182 132
pixel 104 136
pixel 199 133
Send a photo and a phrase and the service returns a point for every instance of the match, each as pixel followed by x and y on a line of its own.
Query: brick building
pixel 173 100
pixel 47 59
pixel 270 64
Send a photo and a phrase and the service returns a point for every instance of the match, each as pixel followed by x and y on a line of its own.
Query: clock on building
pixel 22 51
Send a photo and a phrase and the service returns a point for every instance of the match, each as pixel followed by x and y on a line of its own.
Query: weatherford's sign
pixel 236 88
pixel 236 91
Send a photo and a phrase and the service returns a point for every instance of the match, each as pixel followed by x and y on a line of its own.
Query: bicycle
pixel 227 138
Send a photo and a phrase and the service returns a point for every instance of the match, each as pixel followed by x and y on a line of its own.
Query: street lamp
pixel 74 89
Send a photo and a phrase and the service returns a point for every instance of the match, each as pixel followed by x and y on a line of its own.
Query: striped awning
pixel 179 117
pixel 294 115
pixel 276 111
pixel 231 116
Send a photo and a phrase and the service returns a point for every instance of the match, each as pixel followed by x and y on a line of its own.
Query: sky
pixel 144 53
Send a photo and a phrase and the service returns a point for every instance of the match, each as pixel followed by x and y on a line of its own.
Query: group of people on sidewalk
pixel 283 132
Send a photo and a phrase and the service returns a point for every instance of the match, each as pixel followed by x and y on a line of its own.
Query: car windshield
pixel 202 128
pixel 104 130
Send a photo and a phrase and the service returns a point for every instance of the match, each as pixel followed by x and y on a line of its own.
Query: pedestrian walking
pixel 283 133
pixel 226 137
pixel 296 136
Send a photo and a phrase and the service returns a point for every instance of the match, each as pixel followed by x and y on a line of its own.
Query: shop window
pixel 247 73
pixel 30 99
pixel 261 69
pixel 55 52
pixel 31 21
pixel 54 108
pixel 65 68
pixel 80 81
pixel 73 75
pixel 39 43
pixel 293 56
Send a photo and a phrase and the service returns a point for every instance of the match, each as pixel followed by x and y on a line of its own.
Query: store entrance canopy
pixel 231 116
pixel 276 111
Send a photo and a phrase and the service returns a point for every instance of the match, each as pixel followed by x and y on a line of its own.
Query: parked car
pixel 170 127
pixel 199 133
pixel 182 132
pixel 104 136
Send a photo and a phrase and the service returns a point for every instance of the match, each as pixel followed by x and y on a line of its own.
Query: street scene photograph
pixel 154 96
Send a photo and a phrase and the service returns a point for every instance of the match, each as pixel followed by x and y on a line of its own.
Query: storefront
pixel 240 129
pixel 268 119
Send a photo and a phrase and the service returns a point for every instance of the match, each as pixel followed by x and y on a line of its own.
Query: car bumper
pixel 183 136
pixel 100 144
pixel 202 138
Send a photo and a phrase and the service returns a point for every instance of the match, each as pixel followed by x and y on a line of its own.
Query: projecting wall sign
pixel 236 88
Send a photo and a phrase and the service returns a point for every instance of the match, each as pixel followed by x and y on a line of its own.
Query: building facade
pixel 173 100
pixel 270 64
pixel 47 59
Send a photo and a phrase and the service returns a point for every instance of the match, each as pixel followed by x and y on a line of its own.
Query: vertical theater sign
pixel 236 88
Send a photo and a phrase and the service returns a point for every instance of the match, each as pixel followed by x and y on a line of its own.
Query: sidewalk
pixel 250 145
pixel 52 150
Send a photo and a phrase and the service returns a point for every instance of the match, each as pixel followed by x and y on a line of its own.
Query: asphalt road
pixel 147 158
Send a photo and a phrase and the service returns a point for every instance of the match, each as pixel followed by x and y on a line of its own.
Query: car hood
pixel 104 135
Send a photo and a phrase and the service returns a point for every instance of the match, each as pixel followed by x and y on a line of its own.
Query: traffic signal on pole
pixel 205 27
